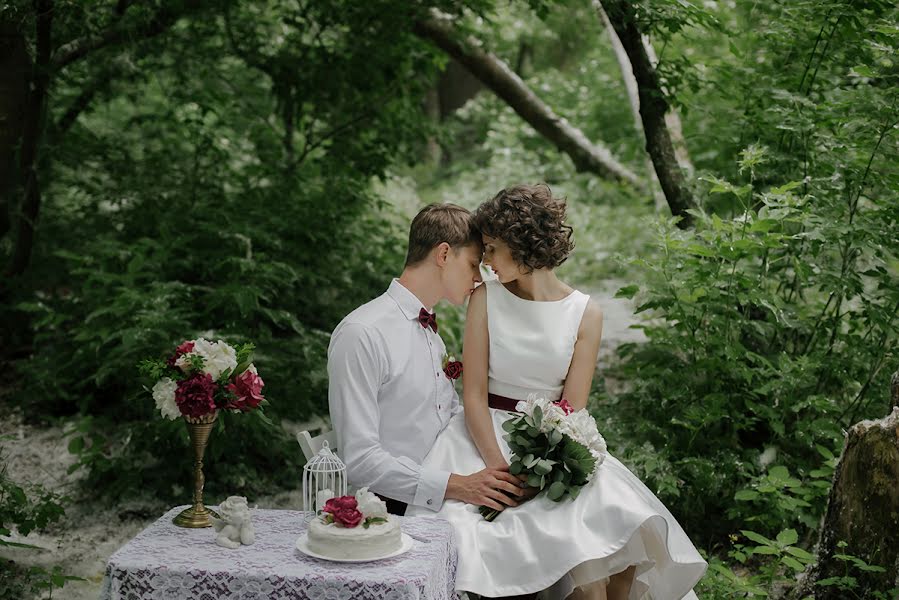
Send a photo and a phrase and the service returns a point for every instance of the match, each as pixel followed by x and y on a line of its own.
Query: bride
pixel 528 332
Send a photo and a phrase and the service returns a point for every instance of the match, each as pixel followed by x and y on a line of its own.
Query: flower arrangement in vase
pixel 194 383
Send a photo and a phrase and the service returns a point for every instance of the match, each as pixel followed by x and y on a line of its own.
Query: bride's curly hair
pixel 531 222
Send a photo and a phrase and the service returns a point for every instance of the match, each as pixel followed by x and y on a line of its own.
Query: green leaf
pixel 800 553
pixel 628 291
pixel 515 468
pixel 76 445
pixel 556 490
pixel 543 467
pixel 792 562
pixel 765 550
pixel 787 537
pixel 757 537
pixel 555 436
pixel 746 495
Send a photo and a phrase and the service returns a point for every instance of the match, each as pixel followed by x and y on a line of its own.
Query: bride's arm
pixel 583 361
pixel 475 354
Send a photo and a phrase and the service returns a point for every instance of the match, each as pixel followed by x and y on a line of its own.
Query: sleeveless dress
pixel 615 522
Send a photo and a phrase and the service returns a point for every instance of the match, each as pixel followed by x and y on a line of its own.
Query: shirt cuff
pixel 431 488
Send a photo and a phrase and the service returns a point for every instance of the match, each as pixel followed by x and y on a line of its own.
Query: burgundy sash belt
pixel 501 402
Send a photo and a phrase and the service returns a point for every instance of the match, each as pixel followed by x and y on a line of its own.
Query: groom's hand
pixel 494 488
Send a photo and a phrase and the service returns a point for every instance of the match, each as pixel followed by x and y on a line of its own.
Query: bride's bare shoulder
pixel 591 321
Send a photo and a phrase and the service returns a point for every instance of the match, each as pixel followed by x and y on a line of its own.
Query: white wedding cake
pixel 355 528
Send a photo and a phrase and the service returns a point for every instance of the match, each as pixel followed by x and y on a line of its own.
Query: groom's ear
pixel 442 253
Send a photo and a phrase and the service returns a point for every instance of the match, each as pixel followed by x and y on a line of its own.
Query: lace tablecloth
pixel 165 562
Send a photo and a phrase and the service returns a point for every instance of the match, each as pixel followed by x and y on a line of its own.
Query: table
pixel 165 562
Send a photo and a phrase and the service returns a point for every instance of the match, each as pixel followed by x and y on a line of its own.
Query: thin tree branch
pixel 161 22
pixel 505 83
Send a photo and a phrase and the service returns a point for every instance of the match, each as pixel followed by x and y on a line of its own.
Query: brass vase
pixel 198 515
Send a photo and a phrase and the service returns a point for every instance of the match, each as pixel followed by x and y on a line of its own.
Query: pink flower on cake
pixel 348 517
pixel 194 396
pixel 248 388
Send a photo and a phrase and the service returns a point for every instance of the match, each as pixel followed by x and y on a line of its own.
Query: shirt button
pixel 430 501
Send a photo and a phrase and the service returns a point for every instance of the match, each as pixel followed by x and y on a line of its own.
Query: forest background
pixel 247 170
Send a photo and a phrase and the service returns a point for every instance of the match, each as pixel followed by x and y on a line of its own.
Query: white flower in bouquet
pixel 370 505
pixel 218 357
pixel 552 413
pixel 581 427
pixel 164 394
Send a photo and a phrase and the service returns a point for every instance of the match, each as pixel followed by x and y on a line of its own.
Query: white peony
pixel 164 394
pixel 218 357
pixel 581 427
pixel 370 505
pixel 552 413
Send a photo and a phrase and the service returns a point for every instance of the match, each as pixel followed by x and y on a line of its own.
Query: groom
pixel 388 395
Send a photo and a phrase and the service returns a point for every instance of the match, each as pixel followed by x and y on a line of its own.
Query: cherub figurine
pixel 234 528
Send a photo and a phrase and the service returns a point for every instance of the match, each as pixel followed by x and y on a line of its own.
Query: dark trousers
pixel 394 507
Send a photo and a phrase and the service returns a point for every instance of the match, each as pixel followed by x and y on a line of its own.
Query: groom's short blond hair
pixel 438 223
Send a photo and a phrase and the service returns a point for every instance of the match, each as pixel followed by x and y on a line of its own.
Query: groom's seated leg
pixel 394 507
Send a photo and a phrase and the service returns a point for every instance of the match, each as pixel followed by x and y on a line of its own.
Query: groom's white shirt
pixel 389 398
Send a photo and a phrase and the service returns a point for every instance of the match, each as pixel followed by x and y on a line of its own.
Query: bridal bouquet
pixel 202 377
pixel 555 447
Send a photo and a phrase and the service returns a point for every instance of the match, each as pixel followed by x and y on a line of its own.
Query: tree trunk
pixel 894 391
pixel 32 130
pixel 15 64
pixel 503 81
pixel 630 85
pixel 432 109
pixel 653 107
pixel 863 512
pixel 455 87
pixel 672 120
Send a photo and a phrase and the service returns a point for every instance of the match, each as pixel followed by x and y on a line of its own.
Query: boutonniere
pixel 452 368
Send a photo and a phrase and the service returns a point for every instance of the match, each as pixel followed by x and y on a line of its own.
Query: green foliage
pixel 760 565
pixel 23 509
pixel 766 322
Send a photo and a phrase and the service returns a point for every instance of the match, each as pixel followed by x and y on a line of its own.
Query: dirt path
pixel 86 537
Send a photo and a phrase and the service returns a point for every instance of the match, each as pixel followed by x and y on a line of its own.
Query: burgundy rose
pixel 348 517
pixel 185 348
pixel 565 406
pixel 334 505
pixel 453 369
pixel 194 396
pixel 248 388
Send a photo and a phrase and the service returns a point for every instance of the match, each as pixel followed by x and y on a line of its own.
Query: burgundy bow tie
pixel 427 319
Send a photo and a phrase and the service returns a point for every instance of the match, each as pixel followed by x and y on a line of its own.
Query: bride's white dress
pixel 615 522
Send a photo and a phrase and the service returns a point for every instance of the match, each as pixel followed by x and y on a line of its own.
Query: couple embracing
pixel 402 431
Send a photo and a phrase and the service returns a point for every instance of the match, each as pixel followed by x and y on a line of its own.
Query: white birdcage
pixel 324 477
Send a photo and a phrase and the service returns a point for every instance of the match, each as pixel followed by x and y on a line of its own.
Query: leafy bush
pixel 25 509
pixel 771 330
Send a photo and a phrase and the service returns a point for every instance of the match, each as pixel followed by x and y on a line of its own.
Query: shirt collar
pixel 406 300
